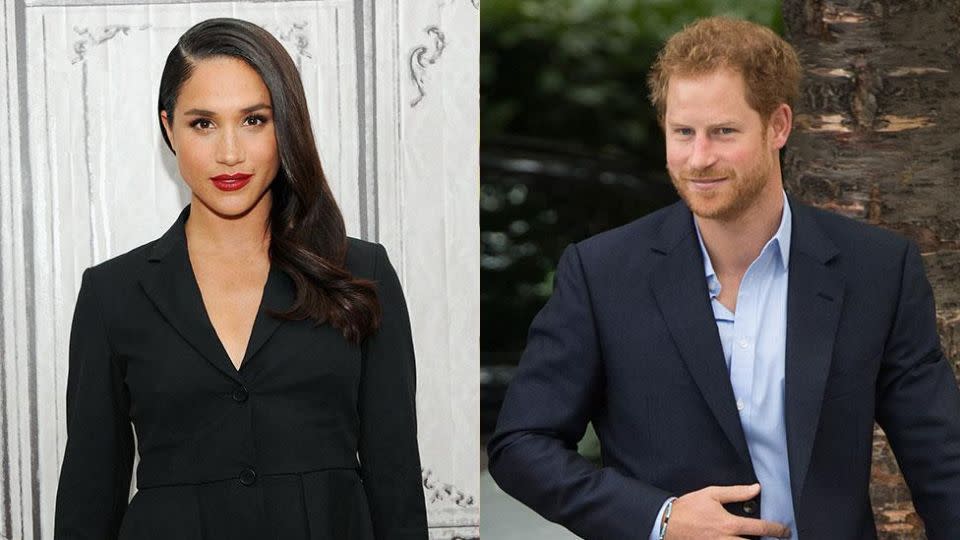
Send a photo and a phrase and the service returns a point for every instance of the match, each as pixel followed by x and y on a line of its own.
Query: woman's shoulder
pixel 364 258
pixel 124 265
pixel 132 263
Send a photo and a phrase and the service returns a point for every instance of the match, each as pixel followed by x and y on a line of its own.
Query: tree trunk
pixel 877 138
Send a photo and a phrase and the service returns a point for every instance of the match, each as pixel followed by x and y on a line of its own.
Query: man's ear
pixel 779 125
pixel 168 129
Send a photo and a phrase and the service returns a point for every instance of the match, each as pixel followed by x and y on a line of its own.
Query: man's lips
pixel 706 184
pixel 707 180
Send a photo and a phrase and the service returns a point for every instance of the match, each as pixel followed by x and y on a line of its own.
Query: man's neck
pixel 733 245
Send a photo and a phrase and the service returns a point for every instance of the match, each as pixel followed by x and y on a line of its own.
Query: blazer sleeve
pixel 918 404
pixel 97 464
pixel 557 387
pixel 388 451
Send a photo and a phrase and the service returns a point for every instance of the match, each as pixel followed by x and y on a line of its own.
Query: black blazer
pixel 269 451
pixel 628 341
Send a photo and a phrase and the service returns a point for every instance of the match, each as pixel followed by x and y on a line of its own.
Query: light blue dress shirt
pixel 754 345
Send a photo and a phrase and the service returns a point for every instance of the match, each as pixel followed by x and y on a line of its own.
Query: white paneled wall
pixel 84 176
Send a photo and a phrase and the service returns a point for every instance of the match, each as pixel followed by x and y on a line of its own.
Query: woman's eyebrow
pixel 245 110
pixel 256 107
pixel 200 112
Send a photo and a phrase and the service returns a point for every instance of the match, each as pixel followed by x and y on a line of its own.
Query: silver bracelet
pixel 666 517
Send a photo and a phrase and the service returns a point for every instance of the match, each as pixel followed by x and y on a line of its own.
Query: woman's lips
pixel 231 182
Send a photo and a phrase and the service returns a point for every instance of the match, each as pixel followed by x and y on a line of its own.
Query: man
pixel 732 350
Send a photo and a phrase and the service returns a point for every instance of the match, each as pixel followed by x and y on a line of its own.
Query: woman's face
pixel 223 134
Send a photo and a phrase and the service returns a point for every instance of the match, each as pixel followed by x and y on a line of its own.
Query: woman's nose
pixel 230 150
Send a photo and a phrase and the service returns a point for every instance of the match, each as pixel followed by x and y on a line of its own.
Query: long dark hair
pixel 308 239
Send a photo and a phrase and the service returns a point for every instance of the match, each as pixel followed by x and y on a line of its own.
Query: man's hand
pixel 700 516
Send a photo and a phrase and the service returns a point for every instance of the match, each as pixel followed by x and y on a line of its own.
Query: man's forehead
pixel 718 97
pixel 718 78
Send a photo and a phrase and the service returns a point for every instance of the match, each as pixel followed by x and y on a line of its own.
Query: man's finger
pixel 758 527
pixel 729 494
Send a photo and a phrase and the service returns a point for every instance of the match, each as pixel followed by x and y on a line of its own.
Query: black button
pixel 240 394
pixel 750 507
pixel 248 477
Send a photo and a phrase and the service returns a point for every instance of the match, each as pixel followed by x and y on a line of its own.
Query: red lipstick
pixel 231 182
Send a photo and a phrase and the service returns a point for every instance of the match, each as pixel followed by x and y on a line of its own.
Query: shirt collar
pixel 780 242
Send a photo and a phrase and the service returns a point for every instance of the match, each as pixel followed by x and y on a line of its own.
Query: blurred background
pixel 570 147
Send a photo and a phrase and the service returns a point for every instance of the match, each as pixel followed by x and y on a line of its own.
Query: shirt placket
pixel 743 354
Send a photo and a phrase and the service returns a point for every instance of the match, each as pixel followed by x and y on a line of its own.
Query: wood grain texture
pixel 877 138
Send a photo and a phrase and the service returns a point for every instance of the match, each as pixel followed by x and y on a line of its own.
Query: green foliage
pixel 570 143
pixel 574 71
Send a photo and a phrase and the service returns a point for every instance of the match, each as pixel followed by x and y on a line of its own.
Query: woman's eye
pixel 255 120
pixel 201 123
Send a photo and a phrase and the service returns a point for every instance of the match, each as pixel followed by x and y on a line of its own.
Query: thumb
pixel 728 494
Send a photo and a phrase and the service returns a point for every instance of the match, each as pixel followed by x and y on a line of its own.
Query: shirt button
pixel 740 405
pixel 248 477
pixel 743 343
pixel 750 507
pixel 240 394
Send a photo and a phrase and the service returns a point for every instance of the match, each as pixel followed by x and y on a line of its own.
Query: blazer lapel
pixel 814 302
pixel 680 288
pixel 279 294
pixel 170 284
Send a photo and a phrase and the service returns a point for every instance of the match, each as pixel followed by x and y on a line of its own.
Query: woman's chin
pixel 225 208
pixel 231 205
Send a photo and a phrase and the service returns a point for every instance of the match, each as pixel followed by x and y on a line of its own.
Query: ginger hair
pixel 770 66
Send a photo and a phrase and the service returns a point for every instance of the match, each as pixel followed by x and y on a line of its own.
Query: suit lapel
pixel 170 284
pixel 279 294
pixel 814 303
pixel 680 288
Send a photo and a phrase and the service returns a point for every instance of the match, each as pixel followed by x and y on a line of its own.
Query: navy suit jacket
pixel 628 342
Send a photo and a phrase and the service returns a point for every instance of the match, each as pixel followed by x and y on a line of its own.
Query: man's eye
pixel 727 131
pixel 686 132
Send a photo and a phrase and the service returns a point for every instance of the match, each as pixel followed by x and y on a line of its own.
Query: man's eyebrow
pixel 712 125
pixel 724 123
pixel 245 110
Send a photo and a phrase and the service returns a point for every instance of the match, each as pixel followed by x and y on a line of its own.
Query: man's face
pixel 719 154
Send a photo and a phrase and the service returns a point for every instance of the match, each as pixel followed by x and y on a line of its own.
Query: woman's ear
pixel 168 129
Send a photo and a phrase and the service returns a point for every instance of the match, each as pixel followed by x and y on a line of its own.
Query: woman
pixel 263 357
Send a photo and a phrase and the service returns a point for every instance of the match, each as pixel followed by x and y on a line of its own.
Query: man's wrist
pixel 665 517
pixel 658 521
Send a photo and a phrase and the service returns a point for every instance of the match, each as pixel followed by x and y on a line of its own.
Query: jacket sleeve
pixel 557 387
pixel 388 451
pixel 97 464
pixel 918 404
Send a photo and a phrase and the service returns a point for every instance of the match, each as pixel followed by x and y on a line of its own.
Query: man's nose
pixel 703 155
